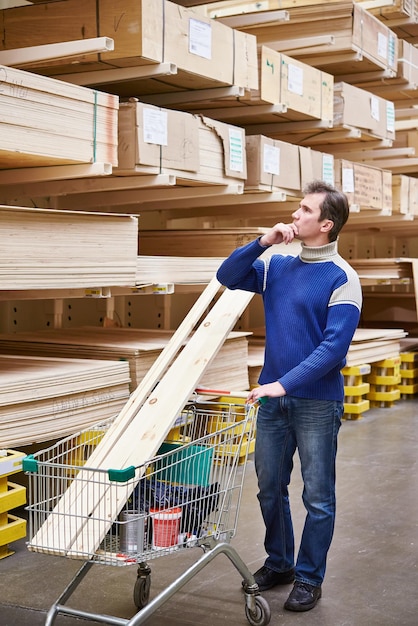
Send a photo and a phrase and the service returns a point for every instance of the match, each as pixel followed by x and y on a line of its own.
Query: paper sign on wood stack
pixel 366 186
pixel 361 109
pixel 192 147
pixel 307 92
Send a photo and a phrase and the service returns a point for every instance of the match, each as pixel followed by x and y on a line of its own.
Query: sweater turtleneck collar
pixel 319 253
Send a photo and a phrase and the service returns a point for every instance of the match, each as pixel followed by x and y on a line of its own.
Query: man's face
pixel 311 229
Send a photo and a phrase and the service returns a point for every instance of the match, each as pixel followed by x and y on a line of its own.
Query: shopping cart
pixel 187 495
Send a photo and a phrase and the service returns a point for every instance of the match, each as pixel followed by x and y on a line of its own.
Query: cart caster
pixel 142 588
pixel 260 615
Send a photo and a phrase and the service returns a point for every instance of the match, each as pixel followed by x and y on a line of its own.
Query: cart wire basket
pixel 187 495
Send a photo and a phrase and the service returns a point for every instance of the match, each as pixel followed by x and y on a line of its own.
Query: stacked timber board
pixel 145 32
pixel 158 140
pixel 364 185
pixel 296 91
pixel 360 41
pixel 47 398
pixel 46 122
pixel 139 347
pixel 275 164
pixel 368 345
pixel 44 249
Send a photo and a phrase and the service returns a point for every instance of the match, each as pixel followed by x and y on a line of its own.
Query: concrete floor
pixel 372 576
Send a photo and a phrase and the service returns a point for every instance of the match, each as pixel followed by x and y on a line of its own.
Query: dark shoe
pixel 303 597
pixel 267 578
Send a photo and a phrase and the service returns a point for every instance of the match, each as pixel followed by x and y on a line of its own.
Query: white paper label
pixel 374 108
pixel 236 151
pixel 295 79
pixel 382 46
pixel 271 160
pixel 390 116
pixel 200 38
pixel 348 180
pixel 155 126
pixel 328 168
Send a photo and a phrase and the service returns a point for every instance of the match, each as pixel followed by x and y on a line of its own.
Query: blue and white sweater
pixel 312 305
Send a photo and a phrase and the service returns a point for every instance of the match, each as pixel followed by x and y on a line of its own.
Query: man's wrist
pixel 263 245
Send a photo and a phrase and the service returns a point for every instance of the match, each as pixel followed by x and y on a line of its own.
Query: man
pixel 312 306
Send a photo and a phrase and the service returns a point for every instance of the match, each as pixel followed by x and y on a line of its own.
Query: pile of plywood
pixel 46 398
pixel 365 186
pixel 359 116
pixel 47 122
pixel 367 346
pixel 46 249
pixel 287 90
pixel 153 140
pixel 139 347
pixel 374 344
pixel 145 32
pixel 353 40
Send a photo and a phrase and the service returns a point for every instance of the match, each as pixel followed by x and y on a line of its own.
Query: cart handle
pixel 221 392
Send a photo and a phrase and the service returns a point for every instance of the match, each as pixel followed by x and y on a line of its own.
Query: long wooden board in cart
pixel 85 513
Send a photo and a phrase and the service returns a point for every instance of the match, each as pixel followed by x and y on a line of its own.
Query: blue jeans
pixel 311 426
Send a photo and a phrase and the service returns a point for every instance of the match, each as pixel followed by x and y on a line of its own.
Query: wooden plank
pixel 152 422
pixel 136 400
pixel 139 431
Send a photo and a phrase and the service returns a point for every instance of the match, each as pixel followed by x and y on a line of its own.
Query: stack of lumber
pixel 46 249
pixel 400 86
pixel 175 269
pixel 383 269
pixel 288 90
pixel 139 347
pixel 400 15
pixel 48 398
pixel 275 165
pixel 365 186
pixel 368 345
pixel 47 122
pixel 404 194
pixel 145 33
pixel 359 116
pixel 354 40
pixel 154 140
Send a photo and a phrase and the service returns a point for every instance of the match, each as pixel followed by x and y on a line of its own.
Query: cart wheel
pixel 142 591
pixel 261 615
